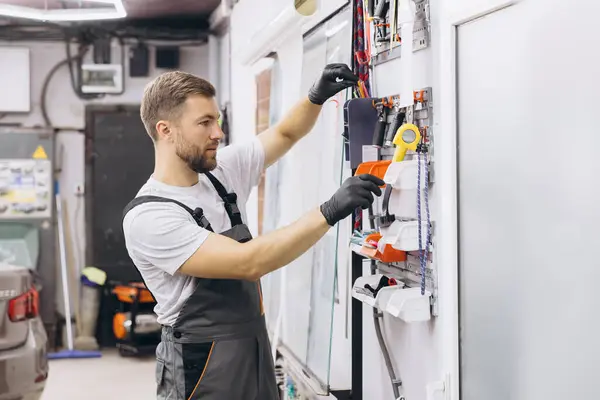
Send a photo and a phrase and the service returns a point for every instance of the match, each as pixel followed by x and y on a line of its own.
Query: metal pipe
pixel 396 382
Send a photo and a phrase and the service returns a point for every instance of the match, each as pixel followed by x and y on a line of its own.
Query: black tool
pixel 381 9
pixel 397 121
pixel 386 219
pixel 384 281
pixel 381 105
pixel 379 17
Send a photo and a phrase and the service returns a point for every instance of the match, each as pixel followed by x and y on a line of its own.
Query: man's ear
pixel 163 130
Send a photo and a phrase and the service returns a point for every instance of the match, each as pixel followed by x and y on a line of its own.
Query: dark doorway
pixel 119 160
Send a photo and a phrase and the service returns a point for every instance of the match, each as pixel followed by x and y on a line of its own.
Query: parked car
pixel 23 340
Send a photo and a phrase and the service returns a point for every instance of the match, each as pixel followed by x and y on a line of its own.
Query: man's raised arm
pixel 303 116
pixel 220 257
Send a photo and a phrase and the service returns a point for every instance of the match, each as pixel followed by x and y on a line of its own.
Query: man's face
pixel 197 133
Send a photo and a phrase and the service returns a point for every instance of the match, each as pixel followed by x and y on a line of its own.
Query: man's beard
pixel 194 158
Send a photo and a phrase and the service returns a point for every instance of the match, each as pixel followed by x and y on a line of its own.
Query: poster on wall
pixel 25 188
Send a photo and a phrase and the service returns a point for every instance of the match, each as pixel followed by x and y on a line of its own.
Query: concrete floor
pixel 108 377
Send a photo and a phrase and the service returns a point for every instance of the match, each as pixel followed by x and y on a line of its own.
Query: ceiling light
pixel 115 10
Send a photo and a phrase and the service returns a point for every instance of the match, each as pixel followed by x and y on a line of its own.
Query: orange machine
pixel 134 324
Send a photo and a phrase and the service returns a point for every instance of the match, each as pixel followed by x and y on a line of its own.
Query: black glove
pixel 355 192
pixel 335 78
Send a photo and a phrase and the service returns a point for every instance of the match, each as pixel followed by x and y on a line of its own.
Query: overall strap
pixel 197 214
pixel 229 199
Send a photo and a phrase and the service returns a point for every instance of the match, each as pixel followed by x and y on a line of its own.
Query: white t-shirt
pixel 160 237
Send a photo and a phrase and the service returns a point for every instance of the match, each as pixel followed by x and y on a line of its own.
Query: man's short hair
pixel 164 97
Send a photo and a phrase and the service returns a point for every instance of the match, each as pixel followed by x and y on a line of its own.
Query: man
pixel 185 231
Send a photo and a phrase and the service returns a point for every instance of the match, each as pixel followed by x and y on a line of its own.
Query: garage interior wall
pixel 67 112
pixel 413 347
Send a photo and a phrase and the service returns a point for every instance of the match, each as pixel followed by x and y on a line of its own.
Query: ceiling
pixel 171 20
pixel 153 18
pixel 136 9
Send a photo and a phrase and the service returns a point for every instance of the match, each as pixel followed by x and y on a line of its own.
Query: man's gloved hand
pixel 335 78
pixel 355 192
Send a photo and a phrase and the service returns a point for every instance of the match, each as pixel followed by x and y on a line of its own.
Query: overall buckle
pixel 231 205
pixel 200 219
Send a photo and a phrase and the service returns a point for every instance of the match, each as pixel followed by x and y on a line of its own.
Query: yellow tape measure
pixel 407 138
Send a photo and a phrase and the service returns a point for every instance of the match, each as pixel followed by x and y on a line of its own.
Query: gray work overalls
pixel 218 348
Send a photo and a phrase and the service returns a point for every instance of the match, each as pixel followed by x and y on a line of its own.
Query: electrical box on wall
pixel 101 78
pixel 15 79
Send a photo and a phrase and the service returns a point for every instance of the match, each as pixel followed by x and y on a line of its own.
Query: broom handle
pixel 63 271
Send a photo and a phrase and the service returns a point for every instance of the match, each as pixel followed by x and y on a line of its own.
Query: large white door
pixel 528 85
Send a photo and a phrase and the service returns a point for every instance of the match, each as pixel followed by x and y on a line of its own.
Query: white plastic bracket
pixel 383 295
pixel 404 235
pixel 410 305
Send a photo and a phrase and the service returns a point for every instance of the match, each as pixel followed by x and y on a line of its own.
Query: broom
pixel 70 352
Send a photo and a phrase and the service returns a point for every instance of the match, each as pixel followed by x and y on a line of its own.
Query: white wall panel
pixel 528 205
pixel 15 71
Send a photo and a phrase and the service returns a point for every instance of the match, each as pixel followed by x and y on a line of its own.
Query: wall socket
pixel 79 190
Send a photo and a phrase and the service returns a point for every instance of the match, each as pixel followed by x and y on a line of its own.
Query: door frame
pixel 450 14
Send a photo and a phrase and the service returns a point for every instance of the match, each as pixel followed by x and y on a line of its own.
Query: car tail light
pixel 41 377
pixel 24 306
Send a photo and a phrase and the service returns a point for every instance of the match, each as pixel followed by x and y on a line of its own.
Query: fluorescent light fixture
pixel 67 15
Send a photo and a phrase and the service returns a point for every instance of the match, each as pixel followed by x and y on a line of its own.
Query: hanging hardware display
pixel 371 127
pixel 401 138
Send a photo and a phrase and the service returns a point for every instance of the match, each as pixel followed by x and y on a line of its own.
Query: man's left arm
pixel 302 117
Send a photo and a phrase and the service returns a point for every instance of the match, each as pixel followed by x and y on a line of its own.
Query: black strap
pixel 229 200
pixel 197 214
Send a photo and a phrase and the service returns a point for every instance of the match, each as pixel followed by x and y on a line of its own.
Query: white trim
pixel 446 249
pixel 469 10
pixel 117 11
pixel 262 64
pixel 451 15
